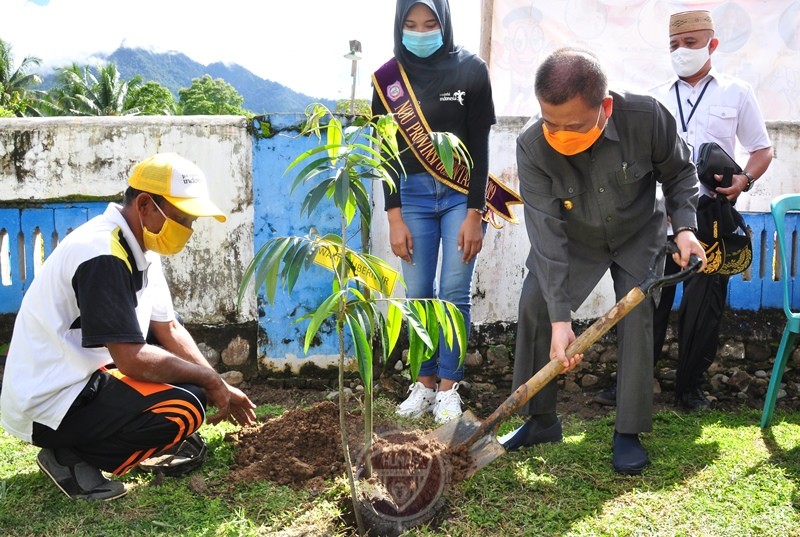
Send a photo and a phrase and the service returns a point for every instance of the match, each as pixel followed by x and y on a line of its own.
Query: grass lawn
pixel 712 474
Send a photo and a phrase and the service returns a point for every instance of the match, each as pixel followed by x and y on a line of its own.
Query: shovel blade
pixel 456 432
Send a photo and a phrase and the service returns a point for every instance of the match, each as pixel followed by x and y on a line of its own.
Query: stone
pixel 718 382
pixel 571 386
pixel 398 365
pixel 758 351
pixel 608 356
pixel 656 387
pixel 485 387
pixel 236 353
pixel 234 378
pixel 209 353
pixel 473 359
pixel 589 380
pixel 498 356
pixel 740 380
pixel 761 374
pixel 732 350
pixel 669 374
pixel 715 367
pixel 794 359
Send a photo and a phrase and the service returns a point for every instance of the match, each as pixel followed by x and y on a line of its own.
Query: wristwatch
pixel 685 228
pixel 750 181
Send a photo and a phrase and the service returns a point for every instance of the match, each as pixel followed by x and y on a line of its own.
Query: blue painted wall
pixel 276 211
pixel 19 226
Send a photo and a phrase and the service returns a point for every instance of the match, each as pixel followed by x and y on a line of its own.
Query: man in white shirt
pixel 708 107
pixel 81 380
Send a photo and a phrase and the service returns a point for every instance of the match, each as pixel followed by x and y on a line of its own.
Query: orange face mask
pixel 571 143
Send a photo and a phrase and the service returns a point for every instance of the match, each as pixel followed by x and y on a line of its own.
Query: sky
pixel 297 43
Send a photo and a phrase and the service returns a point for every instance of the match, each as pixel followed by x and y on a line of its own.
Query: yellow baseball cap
pixel 178 180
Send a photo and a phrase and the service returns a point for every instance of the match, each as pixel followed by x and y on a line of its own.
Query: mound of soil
pixel 300 449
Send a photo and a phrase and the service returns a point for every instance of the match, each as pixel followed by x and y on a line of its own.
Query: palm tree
pixel 16 93
pixel 82 93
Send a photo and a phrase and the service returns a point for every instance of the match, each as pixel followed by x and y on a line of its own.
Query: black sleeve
pixel 105 288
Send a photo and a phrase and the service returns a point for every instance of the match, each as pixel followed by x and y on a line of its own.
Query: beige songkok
pixel 690 21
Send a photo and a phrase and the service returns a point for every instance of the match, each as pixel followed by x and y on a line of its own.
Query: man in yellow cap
pixel 81 379
pixel 708 106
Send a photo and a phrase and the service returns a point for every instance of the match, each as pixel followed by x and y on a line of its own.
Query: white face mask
pixel 688 61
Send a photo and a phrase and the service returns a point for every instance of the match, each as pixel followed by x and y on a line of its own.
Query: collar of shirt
pixel 114 214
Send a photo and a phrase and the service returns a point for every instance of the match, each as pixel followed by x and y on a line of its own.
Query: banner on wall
pixel 759 43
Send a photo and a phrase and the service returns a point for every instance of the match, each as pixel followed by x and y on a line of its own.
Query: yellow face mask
pixel 170 240
pixel 571 143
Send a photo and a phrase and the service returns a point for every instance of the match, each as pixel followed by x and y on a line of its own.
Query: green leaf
pixel 334 138
pixel 444 322
pixel 415 352
pixel 314 196
pixel 444 150
pixel 305 155
pixel 457 319
pixel 432 324
pixel 394 322
pixel 357 322
pixel 310 171
pixel 297 263
pixel 328 307
pixel 342 189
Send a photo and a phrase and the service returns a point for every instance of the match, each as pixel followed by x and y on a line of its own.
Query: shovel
pixel 480 437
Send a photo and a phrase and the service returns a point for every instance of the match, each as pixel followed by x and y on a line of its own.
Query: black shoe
pixel 80 480
pixel 530 433
pixel 693 400
pixel 179 460
pixel 629 457
pixel 607 397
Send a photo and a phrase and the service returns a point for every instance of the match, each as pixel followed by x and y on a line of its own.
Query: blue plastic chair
pixel 779 207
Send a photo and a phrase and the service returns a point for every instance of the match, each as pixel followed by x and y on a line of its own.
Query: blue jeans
pixel 434 213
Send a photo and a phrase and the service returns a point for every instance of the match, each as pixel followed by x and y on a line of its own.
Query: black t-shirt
pixel 458 101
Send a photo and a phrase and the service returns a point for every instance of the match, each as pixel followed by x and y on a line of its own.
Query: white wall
pixel 53 158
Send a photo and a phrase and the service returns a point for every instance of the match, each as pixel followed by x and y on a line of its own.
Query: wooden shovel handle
pixel 526 391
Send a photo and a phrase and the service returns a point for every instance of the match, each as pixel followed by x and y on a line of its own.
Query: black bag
pixel 711 160
pixel 724 236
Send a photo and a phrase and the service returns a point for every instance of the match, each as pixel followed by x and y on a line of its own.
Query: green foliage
pixel 335 171
pixel 152 99
pixel 17 94
pixel 83 91
pixel 713 474
pixel 359 107
pixel 207 97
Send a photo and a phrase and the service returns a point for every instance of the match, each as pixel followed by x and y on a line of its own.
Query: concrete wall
pixel 55 159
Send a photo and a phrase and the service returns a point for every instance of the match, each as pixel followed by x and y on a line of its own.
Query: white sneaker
pixel 420 401
pixel 447 405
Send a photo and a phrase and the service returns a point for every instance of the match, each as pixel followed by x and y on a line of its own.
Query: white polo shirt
pixel 726 112
pixel 97 287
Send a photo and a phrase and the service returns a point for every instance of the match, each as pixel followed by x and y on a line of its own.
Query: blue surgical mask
pixel 422 44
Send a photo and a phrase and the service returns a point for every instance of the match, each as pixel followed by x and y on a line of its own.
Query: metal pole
pixel 487 14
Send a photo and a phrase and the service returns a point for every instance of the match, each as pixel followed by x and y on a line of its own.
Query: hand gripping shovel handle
pixel 526 391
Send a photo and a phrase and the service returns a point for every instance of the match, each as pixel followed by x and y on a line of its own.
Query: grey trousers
pixel 634 354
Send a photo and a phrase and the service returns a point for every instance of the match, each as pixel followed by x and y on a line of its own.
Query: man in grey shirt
pixel 588 179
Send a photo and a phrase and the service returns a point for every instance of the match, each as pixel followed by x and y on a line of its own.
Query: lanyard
pixel 684 124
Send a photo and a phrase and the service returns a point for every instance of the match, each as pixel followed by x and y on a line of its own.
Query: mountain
pixel 175 71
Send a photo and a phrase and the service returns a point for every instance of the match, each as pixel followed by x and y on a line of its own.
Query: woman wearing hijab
pixel 432 85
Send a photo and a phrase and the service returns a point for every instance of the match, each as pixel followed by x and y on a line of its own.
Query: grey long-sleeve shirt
pixel 587 211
